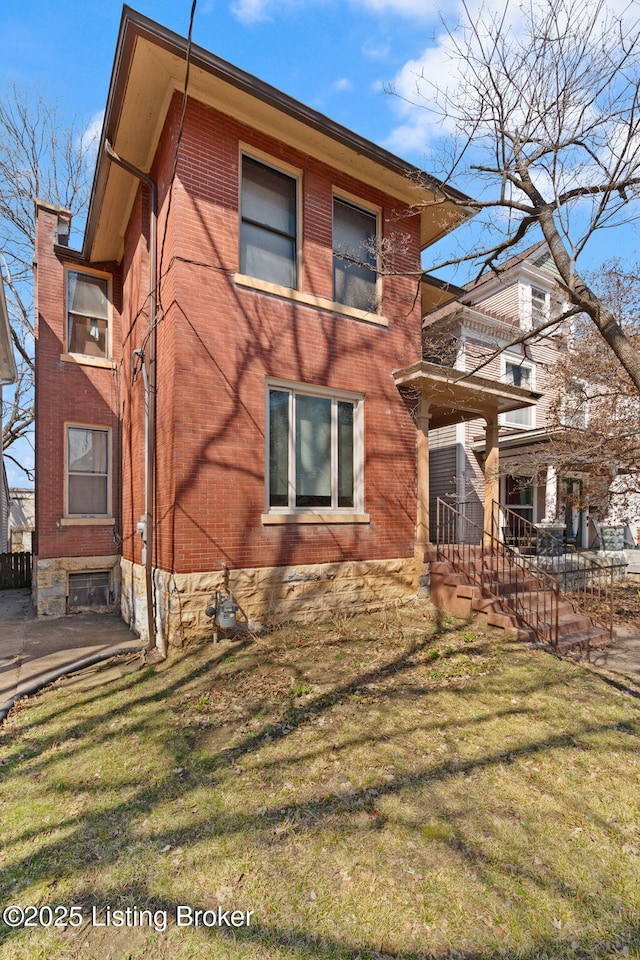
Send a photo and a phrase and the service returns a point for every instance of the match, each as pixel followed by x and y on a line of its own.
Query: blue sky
pixel 339 56
pixel 334 55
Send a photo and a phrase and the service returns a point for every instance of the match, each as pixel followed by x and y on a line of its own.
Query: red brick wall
pixel 217 343
pixel 68 392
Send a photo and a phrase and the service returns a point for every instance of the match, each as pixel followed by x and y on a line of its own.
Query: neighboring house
pixel 226 383
pixel 471 327
pixel 22 512
pixel 8 375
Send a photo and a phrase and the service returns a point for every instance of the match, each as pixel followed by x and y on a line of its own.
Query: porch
pixel 442 396
pixel 520 574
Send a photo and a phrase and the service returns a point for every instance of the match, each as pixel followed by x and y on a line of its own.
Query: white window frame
pixel 514 507
pixel 519 361
pixel 583 408
pixel 371 210
pixel 544 316
pixel 84 271
pixel 286 170
pixel 303 389
pixel 97 428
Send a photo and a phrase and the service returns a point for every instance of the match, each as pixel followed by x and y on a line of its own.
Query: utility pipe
pixel 150 394
pixel 36 685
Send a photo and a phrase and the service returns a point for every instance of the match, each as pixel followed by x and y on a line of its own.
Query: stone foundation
pixel 51 586
pixel 265 595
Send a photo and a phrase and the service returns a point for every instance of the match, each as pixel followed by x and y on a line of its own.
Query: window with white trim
pixel 314 451
pixel 539 306
pixel 519 373
pixel 88 493
pixel 518 497
pixel 268 228
pixel 574 405
pixel 88 314
pixel 355 278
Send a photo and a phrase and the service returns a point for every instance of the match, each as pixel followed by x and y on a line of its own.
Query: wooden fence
pixel 15 570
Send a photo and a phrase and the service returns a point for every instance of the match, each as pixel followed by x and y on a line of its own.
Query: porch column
pixel 491 475
pixel 422 524
pixel 551 495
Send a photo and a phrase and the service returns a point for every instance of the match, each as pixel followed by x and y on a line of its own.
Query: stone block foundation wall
pixel 265 595
pixel 50 581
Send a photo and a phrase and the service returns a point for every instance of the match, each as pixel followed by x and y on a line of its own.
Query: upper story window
pixel 88 472
pixel 539 306
pixel 315 451
pixel 574 405
pixel 268 229
pixel 355 280
pixel 519 373
pixel 88 314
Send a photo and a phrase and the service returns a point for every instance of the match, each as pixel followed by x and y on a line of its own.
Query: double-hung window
pixel 268 241
pixel 88 493
pixel 519 373
pixel 539 306
pixel 87 314
pixel 314 451
pixel 355 278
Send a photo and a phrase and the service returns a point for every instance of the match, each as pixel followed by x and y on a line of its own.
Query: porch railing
pixel 585 581
pixel 500 572
pixel 526 569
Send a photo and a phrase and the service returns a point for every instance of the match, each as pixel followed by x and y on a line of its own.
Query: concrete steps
pixel 535 617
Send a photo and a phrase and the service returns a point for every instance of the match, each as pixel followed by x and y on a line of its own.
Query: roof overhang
pixel 522 441
pixel 150 66
pixel 454 396
pixel 8 371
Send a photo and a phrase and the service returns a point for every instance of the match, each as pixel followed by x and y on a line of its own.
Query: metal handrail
pixel 499 571
pixel 587 584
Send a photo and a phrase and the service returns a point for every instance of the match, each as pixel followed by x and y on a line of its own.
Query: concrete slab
pixel 623 656
pixel 31 648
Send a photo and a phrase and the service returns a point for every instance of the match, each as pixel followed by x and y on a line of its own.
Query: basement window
pixel 89 589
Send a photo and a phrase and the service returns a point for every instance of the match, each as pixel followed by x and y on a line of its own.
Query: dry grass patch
pixel 395 785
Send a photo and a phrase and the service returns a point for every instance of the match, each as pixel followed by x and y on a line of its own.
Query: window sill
pixel 86 521
pixel 309 300
pixel 87 361
pixel 325 518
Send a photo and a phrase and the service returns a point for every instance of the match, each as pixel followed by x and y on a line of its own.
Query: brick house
pixel 215 387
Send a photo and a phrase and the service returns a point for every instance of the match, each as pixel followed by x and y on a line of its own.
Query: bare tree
pixel 594 416
pixel 542 122
pixel 40 156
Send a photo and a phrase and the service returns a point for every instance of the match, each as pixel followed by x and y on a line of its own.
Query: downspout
pixel 149 376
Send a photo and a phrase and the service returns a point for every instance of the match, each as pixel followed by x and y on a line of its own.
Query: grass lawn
pixel 396 785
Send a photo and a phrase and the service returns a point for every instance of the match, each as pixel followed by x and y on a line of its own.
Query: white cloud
pixel 442 64
pixel 343 85
pixel 376 49
pixel 89 139
pixel 414 9
pixel 251 11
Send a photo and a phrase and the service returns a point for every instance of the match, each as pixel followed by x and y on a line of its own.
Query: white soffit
pixel 155 72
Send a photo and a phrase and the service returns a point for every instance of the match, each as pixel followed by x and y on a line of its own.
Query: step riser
pixel 453 591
